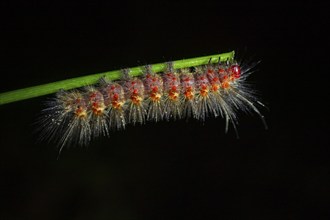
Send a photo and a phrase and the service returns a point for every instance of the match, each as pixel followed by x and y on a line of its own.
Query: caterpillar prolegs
pixel 218 89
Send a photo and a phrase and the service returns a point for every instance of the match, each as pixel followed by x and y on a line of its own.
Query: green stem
pixel 40 90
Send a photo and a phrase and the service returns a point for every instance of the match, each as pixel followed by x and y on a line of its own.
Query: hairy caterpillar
pixel 212 90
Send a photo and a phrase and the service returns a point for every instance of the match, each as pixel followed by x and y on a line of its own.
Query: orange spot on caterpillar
pixel 215 87
pixel 225 85
pixel 204 91
pixel 173 95
pixel 155 96
pixel 189 93
pixel 80 112
pixel 136 99
pixel 116 104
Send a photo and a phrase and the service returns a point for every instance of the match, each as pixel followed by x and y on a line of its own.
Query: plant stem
pixel 40 90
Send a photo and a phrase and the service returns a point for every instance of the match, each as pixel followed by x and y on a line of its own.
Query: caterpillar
pixel 220 89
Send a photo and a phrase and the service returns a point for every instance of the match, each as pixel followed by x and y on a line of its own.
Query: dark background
pixel 169 170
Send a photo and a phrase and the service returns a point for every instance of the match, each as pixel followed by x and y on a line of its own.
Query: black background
pixel 169 170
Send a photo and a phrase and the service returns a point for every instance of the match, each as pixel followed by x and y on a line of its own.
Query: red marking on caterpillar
pixel 154 86
pixel 204 96
pixel 96 112
pixel 212 90
pixel 114 100
pixel 134 94
pixel 189 92
pixel 172 94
